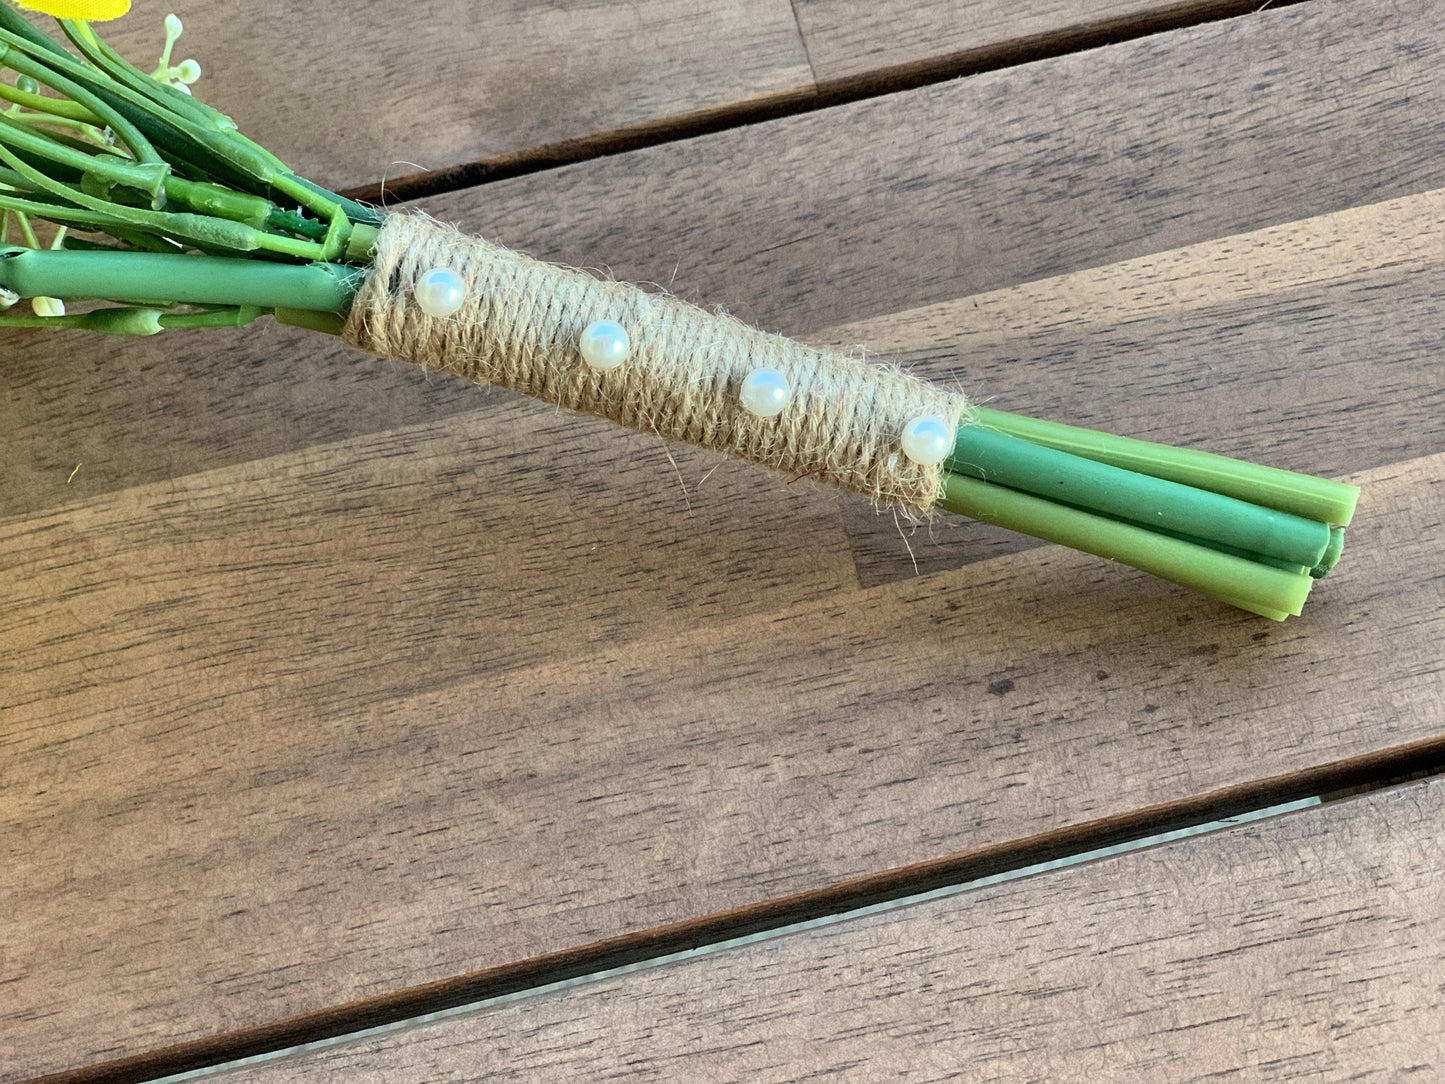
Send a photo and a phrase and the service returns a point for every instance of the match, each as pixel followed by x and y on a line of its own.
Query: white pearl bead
pixel 765 392
pixel 440 292
pixel 604 344
pixel 927 441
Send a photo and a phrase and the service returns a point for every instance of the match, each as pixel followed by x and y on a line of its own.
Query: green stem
pixel 233 316
pixel 138 321
pixel 167 97
pixel 28 232
pixel 192 280
pixel 92 143
pixel 329 323
pixel 1259 558
pixel 1258 588
pixel 148 177
pixel 70 216
pixel 1298 494
pixel 322 203
pixel 1152 503
pixel 12 22
pixel 357 212
pixel 206 198
pixel 1332 554
pixel 216 152
pixel 127 321
pixel 296 222
pixel 287 246
pixel 24 61
pixel 120 213
pixel 204 231
pixel 55 107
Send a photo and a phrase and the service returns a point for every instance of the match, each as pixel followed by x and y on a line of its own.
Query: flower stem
pixel 148 177
pixel 231 316
pixel 16 56
pixel 1298 494
pixel 107 60
pixel 1153 503
pixel 192 280
pixel 55 107
pixel 328 323
pixel 1270 592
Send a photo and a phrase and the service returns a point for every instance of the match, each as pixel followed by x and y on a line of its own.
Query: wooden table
pixel 333 695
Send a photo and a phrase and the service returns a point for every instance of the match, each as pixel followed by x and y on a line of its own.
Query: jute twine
pixel 520 325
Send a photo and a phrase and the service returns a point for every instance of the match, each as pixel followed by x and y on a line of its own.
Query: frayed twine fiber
pixel 520 326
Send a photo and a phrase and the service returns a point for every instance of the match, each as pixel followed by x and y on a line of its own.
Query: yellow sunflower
pixel 93 10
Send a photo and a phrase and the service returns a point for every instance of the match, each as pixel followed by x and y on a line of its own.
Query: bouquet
pixel 155 212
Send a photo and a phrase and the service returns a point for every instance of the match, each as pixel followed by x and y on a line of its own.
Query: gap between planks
pixel 1384 501
pixel 156 406
pixel 1297 946
pixel 782 916
pixel 824 94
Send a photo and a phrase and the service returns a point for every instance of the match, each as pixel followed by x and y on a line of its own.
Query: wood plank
pixel 409 533
pixel 1288 345
pixel 876 40
pixel 263 756
pixel 1304 946
pixel 868 209
pixel 1009 176
pixel 350 96
pixel 247 712
pixel 448 85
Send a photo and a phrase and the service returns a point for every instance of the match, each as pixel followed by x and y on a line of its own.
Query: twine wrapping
pixel 520 325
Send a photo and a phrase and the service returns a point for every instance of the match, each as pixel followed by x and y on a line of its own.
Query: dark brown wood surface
pixel 868 209
pixel 1254 332
pixel 249 716
pixel 354 94
pixel 320 679
pixel 1303 948
pixel 882 40
pixel 443 85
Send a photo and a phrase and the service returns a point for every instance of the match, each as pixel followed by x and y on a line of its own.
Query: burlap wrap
pixel 520 326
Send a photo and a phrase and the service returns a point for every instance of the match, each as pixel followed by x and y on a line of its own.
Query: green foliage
pixel 91 143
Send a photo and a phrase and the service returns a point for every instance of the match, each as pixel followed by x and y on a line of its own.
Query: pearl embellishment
pixel 765 392
pixel 604 344
pixel 927 441
pixel 440 292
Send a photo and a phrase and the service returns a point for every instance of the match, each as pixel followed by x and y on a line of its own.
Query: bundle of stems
pixel 165 216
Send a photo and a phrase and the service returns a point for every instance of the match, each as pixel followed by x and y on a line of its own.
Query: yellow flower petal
pixel 94 10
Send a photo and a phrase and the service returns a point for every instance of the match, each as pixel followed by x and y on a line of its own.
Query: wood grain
pixel 874 208
pixel 350 95
pixel 262 755
pixel 320 679
pixel 1288 344
pixel 848 39
pixel 403 90
pixel 1303 947
pixel 1009 176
